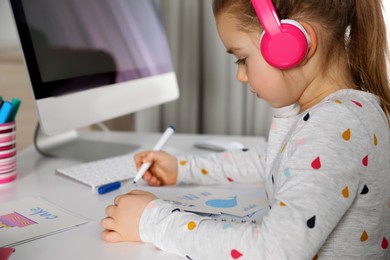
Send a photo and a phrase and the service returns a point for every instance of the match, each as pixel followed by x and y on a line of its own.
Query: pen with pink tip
pixel 161 142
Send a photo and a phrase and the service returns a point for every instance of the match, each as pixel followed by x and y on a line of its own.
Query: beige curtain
pixel 211 100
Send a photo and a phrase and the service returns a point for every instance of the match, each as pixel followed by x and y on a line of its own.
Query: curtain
pixel 211 100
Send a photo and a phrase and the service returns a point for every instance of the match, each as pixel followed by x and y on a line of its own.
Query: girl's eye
pixel 240 61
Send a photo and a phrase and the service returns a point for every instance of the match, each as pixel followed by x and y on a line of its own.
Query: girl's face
pixel 279 88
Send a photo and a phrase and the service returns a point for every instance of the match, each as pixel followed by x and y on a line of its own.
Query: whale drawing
pixel 222 203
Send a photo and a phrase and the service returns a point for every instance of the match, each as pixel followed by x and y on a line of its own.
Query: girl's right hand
pixel 163 170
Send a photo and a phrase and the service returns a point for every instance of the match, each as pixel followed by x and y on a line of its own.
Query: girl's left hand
pixel 122 221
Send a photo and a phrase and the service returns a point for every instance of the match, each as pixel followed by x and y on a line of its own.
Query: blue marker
pixel 109 187
pixel 5 111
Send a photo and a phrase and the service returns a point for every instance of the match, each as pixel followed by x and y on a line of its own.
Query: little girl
pixel 327 168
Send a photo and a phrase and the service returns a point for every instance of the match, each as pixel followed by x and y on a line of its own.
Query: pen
pixel 109 187
pixel 163 139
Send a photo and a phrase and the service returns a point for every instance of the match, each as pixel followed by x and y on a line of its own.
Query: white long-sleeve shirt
pixel 327 175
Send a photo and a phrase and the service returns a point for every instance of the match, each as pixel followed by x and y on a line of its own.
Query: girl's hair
pixel 354 29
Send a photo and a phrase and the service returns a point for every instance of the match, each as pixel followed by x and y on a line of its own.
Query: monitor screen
pixel 93 60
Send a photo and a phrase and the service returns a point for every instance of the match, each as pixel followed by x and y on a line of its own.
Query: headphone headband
pixel 284 43
pixel 267 15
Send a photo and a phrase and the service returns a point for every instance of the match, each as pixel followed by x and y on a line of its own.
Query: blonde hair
pixel 354 29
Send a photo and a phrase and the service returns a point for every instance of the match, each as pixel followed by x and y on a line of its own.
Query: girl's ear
pixel 313 41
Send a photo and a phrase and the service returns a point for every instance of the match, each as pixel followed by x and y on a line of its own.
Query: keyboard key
pixel 101 172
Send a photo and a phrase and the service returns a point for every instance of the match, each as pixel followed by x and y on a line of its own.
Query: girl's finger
pixel 108 223
pixel 147 176
pixel 137 192
pixel 111 236
pixel 110 210
pixel 117 199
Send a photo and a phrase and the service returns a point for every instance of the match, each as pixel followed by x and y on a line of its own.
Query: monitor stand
pixel 73 146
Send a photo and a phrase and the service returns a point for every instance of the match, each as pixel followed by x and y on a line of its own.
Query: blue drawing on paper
pixel 222 203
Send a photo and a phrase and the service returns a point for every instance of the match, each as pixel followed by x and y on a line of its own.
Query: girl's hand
pixel 122 221
pixel 163 170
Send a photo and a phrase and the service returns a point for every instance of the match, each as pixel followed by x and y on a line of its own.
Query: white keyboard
pixel 101 172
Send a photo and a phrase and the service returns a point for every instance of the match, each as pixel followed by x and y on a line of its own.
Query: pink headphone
pixel 284 43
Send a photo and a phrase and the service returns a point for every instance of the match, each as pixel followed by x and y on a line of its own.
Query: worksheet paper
pixel 32 218
pixel 210 201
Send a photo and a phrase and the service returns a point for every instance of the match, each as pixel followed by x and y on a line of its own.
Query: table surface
pixel 37 177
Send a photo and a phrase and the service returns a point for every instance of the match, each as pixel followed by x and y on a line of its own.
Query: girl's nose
pixel 241 74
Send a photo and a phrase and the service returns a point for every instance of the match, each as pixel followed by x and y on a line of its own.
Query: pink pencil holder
pixel 7 153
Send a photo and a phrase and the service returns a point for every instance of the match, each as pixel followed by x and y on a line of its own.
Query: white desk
pixel 36 177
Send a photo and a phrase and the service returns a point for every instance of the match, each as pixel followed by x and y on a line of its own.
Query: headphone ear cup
pixel 287 48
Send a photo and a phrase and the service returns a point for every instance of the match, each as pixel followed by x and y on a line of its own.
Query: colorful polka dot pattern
pixel 364 236
pixel 347 135
pixel 311 222
pixel 235 254
pixel 345 192
pixel 316 164
pixel 230 179
pixel 191 225
pixel 385 243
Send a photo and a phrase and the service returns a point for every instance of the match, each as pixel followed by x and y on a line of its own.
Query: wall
pixel 8 37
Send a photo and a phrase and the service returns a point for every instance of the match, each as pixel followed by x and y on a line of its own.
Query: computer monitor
pixel 89 61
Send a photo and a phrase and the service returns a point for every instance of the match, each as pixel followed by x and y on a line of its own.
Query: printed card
pixel 217 202
pixel 31 218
